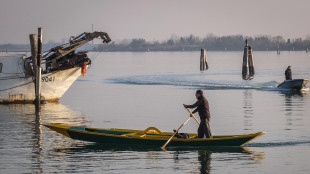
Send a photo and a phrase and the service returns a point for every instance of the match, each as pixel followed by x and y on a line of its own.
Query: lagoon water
pixel 138 90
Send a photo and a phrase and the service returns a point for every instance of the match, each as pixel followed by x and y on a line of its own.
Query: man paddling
pixel 202 106
pixel 288 73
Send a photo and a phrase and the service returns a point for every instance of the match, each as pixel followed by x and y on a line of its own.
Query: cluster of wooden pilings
pixel 203 60
pixel 248 63
pixel 36 56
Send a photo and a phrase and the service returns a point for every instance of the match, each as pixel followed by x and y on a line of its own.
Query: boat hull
pixel 295 84
pixel 54 85
pixel 143 138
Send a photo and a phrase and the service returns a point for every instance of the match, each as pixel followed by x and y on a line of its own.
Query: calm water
pixel 138 90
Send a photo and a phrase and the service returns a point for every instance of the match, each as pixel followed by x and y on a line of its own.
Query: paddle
pixel 192 115
pixel 163 147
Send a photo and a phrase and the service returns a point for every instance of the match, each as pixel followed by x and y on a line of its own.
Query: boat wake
pixel 194 81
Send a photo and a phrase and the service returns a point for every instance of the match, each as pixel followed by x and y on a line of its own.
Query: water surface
pixel 138 90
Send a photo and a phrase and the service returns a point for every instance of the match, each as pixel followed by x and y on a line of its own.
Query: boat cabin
pixel 14 66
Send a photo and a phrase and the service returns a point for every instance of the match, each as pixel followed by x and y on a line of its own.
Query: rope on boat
pixel 97 53
pixel 17 86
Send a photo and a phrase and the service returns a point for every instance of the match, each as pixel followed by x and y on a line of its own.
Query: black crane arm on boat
pixel 76 42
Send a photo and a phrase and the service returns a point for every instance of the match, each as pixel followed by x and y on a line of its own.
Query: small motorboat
pixel 148 137
pixel 295 84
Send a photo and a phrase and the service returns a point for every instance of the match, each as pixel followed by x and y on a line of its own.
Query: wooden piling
pixel 307 50
pixel 34 49
pixel 248 62
pixel 39 69
pixel 203 60
pixel 40 35
pixel 34 58
pixel 245 63
pixel 251 62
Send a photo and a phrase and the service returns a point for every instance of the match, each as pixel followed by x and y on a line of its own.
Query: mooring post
pixel 307 50
pixel 39 69
pixel 251 62
pixel 278 50
pixel 245 62
pixel 248 62
pixel 34 51
pixel 203 60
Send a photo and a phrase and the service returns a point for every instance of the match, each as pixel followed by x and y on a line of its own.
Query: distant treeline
pixel 211 43
pixel 188 43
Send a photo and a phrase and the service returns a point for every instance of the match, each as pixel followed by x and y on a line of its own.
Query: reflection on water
pixel 37 146
pixel 248 109
pixel 140 160
pixel 58 113
pixel 204 158
pixel 291 93
pixel 22 138
pixel 51 113
pixel 293 103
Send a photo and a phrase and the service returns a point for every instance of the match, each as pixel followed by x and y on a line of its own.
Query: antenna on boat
pixel 92 30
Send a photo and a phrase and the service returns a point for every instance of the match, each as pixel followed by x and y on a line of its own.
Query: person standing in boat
pixel 202 107
pixel 288 73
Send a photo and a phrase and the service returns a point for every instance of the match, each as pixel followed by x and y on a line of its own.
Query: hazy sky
pixel 152 19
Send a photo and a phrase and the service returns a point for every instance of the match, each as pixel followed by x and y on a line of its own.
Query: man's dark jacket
pixel 288 74
pixel 202 108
